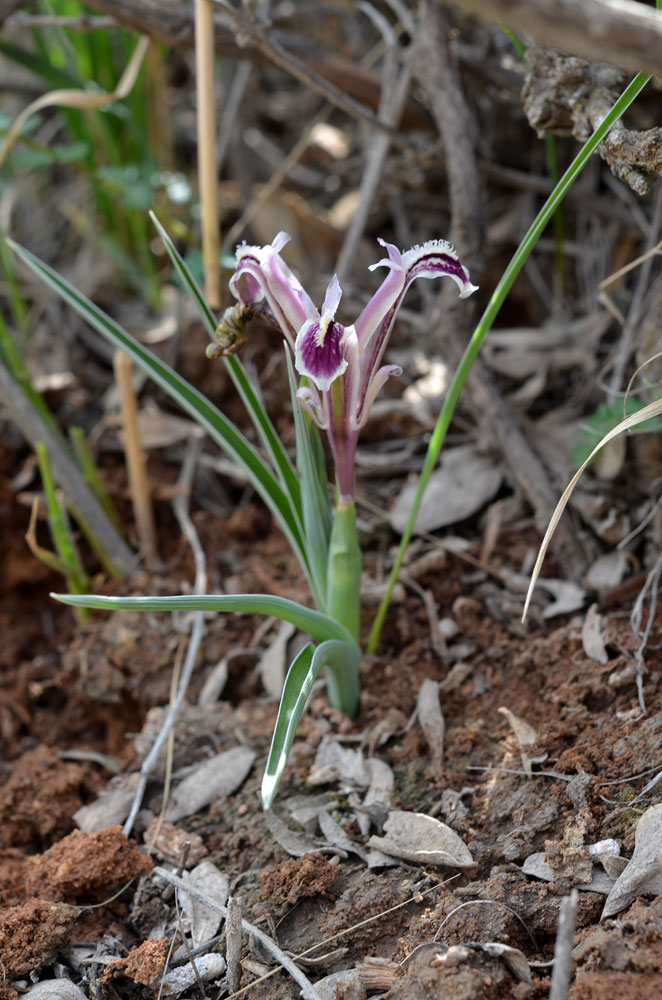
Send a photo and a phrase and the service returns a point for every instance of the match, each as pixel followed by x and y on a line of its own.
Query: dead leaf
pixel 183 979
pixel 431 720
pixel 272 665
pixel 112 806
pixel 607 571
pixel 169 842
pixel 203 921
pixel 337 837
pixel 217 777
pixel 297 844
pixel 536 866
pixel 464 483
pixel 527 739
pixel 334 762
pixel 346 984
pixel 54 989
pixel 592 641
pixel 568 597
pixel 513 958
pixel 423 840
pixel 643 875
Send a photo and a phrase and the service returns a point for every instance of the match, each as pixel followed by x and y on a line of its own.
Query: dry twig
pixel 565 933
pixel 307 987
pixel 621 32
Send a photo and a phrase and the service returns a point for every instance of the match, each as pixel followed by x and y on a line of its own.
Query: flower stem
pixel 485 324
pixel 344 571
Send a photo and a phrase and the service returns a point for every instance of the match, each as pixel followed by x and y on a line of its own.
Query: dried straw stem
pixel 207 168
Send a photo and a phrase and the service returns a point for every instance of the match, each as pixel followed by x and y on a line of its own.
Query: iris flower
pixel 342 365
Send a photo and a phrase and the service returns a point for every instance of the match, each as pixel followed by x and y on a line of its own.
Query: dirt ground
pixel 73 696
pixel 523 745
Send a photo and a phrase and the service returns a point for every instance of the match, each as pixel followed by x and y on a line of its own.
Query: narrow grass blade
pixel 220 429
pixel 652 410
pixel 485 325
pixel 265 429
pixel 316 624
pixel 341 662
pixel 317 516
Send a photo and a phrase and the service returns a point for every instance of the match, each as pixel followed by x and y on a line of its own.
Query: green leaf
pixel 320 626
pixel 56 77
pixel 607 416
pixel 265 429
pixel 341 660
pixel 314 491
pixel 220 429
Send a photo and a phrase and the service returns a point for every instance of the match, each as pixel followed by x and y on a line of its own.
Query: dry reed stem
pixel 207 169
pixel 135 457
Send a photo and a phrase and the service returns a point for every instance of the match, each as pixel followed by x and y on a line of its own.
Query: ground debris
pixel 85 868
pixel 144 964
pixel 169 842
pixel 203 921
pixel 54 989
pixel 33 934
pixel 38 800
pixel 217 777
pixel 291 881
pixel 423 840
pixel 643 875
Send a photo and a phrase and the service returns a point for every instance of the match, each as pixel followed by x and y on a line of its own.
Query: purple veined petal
pixel 318 351
pixel 433 259
pixel 374 385
pixel 436 259
pixel 261 273
pixel 309 398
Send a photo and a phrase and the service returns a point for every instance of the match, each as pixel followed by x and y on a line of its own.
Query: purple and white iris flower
pixel 342 364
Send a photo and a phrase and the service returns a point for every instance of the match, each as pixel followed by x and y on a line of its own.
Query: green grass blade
pixel 41 66
pixel 265 429
pixel 316 624
pixel 220 429
pixel 485 324
pixel 341 662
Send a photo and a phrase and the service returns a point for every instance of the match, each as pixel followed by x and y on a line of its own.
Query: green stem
pixel 343 588
pixel 341 664
pixel 485 324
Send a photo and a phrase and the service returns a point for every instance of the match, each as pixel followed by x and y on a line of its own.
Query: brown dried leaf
pixel 643 875
pixel 297 844
pixel 204 922
pixel 463 484
pixel 217 777
pixel 431 720
pixel 592 641
pixel 111 807
pixel 423 840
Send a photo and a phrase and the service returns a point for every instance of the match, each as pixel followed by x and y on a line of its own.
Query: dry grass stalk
pixel 135 457
pixel 207 169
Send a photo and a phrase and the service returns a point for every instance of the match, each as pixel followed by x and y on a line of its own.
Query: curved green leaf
pixel 208 416
pixel 320 626
pixel 341 661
